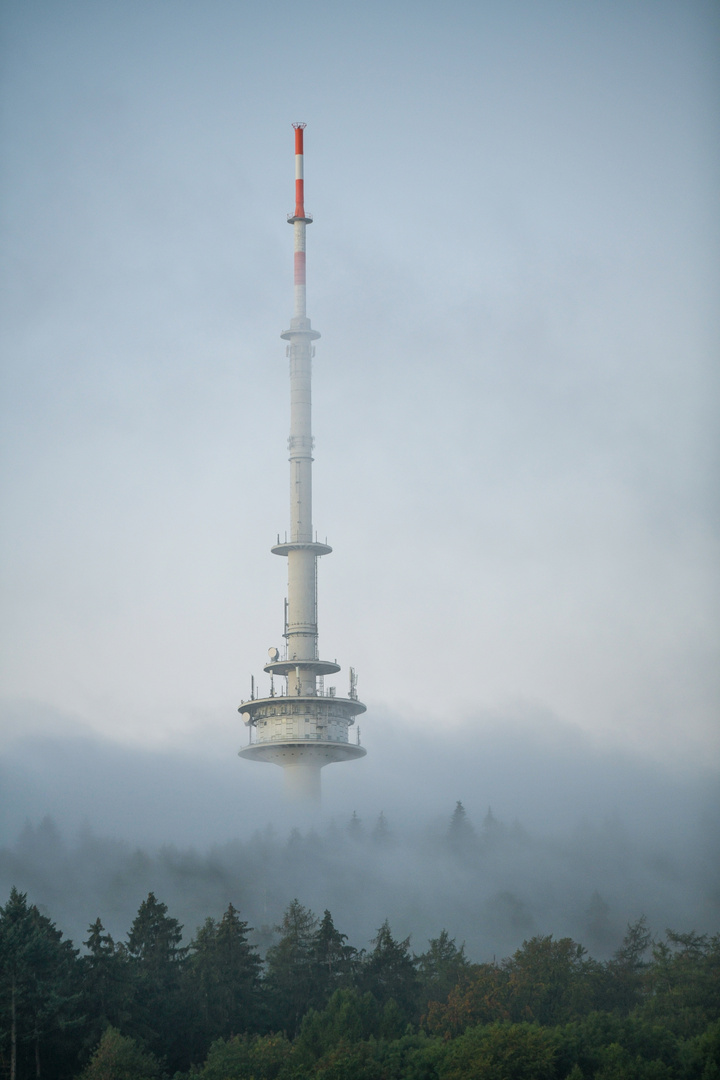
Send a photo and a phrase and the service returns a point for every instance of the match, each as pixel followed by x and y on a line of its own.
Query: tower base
pixel 301 763
pixel 302 783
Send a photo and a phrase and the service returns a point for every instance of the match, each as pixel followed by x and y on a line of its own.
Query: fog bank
pixel 580 840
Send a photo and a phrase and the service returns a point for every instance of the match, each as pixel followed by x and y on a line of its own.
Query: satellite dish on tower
pixel 274 654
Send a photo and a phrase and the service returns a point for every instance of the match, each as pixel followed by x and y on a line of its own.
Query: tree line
pixel 493 883
pixel 315 1006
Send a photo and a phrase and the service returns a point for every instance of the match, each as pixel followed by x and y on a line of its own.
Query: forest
pixel 212 1004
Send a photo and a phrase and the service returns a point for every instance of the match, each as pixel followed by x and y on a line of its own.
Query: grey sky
pixel 514 269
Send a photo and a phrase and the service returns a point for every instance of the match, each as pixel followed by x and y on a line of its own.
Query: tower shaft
pixel 305 726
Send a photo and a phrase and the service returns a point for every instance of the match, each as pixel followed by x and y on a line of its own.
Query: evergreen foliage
pixel 355 827
pixel 441 968
pixel 388 973
pixel 120 1058
pixel 333 962
pixel 381 835
pixel 154 1008
pixel 291 967
pixel 156 965
pixel 223 977
pixel 38 998
pixel 461 833
pixel 105 981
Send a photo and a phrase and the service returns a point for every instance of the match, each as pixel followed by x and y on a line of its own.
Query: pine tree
pixel 494 831
pixel 332 961
pixel 684 982
pixel 107 986
pixel 38 995
pixel 460 833
pixel 441 968
pixel 224 973
pixel 239 967
pixel 381 833
pixel 157 962
pixel 389 973
pixel 626 969
pixel 355 828
pixel 290 968
pixel 154 938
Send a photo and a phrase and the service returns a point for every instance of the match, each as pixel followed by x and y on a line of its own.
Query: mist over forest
pixel 556 835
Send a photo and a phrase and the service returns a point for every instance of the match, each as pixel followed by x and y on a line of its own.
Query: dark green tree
pixel 348 1017
pixel 683 982
pixel 291 966
pixel 549 981
pixel 333 961
pixel 701 1055
pixel 249 1058
pixel 502 1052
pixel 38 988
pixel 388 973
pixel 441 968
pixel 626 984
pixel 223 978
pixel 608 1046
pixel 157 962
pixel 119 1057
pixel 154 938
pixel 106 982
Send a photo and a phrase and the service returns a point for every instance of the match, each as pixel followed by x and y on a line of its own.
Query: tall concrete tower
pixel 303 725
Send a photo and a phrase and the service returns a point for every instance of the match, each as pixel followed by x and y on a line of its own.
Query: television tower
pixel 303 726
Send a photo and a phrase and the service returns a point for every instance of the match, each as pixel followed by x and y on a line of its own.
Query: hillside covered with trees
pixel 149 1006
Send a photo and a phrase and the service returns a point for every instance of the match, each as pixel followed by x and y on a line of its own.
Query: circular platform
pixel 301 545
pixel 287 667
pixel 297 751
pixel 290 704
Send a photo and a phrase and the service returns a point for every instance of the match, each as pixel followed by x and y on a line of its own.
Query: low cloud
pixel 580 839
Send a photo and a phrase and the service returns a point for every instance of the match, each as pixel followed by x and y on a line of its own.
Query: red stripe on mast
pixel 299 183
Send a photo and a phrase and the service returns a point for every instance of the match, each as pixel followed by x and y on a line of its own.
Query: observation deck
pixel 308 730
pixel 321 706
pixel 287 546
pixel 315 667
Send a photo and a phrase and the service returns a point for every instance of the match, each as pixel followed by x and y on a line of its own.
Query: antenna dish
pixel 274 654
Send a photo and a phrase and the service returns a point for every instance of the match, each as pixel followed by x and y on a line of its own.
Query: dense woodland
pixel 151 1006
pixel 491 883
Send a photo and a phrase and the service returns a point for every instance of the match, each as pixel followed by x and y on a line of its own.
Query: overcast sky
pixel 514 269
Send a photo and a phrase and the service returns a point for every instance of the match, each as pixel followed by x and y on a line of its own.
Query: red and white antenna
pixel 299 174
pixel 299 220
